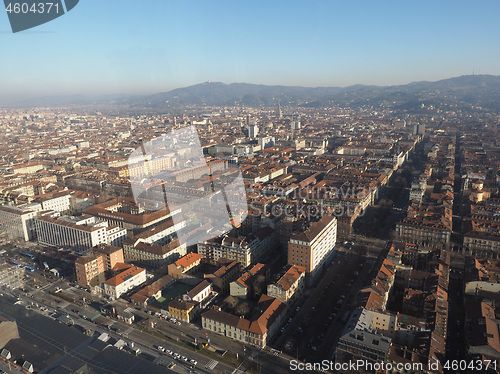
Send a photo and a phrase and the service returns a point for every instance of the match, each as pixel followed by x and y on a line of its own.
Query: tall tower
pixel 279 113
pixel 253 130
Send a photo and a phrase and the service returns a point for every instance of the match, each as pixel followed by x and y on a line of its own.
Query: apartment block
pixel 246 250
pixel 256 331
pixel 290 286
pixel 313 247
pixel 11 276
pixel 57 201
pixel 18 223
pixel 243 286
pixel 156 246
pixel 90 269
pixel 184 264
pixel 224 275
pixel 77 233
pixel 126 280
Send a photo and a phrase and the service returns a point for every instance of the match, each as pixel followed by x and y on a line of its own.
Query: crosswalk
pixel 211 364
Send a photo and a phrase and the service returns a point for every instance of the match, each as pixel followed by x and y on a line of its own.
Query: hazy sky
pixel 147 46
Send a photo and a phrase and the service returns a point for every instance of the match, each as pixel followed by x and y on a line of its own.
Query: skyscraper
pixel 253 130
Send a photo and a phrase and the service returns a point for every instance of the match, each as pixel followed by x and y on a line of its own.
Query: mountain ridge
pixel 472 92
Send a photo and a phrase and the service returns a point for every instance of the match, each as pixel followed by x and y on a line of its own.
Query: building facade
pixel 290 286
pixel 77 233
pixel 18 223
pixel 246 250
pixel 132 277
pixel 90 269
pixel 313 247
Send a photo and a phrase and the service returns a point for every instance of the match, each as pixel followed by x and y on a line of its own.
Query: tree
pixel 259 286
pixel 242 309
pixel 231 301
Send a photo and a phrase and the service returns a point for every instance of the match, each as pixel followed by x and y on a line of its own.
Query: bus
pixel 30 256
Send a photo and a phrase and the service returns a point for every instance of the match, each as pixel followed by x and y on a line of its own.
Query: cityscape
pixel 368 235
pixel 248 189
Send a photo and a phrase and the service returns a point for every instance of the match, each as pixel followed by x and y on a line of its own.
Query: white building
pixel 157 246
pixel 18 223
pixel 253 131
pixel 124 282
pixel 266 142
pixel 58 202
pixel 199 292
pixel 78 233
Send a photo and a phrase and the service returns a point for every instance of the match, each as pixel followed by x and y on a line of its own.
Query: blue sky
pixel 148 46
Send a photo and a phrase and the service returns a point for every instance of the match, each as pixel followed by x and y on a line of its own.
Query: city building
pixel 243 286
pixel 426 225
pixel 198 293
pixel 182 310
pixel 57 201
pixel 184 264
pixel 290 286
pixel 18 223
pixel 253 130
pixel 246 250
pixel 156 246
pixel 256 331
pixel 227 272
pixel 77 233
pixel 154 255
pixel 29 168
pixel 124 212
pixel 482 230
pixel 129 278
pixel 313 247
pixel 90 269
pixel 360 341
pixel 11 276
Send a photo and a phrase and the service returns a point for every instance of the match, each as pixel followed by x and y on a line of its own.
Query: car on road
pixel 282 329
pixel 184 358
pixel 176 355
pixel 171 365
pixel 193 362
pixel 297 309
pixel 161 349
